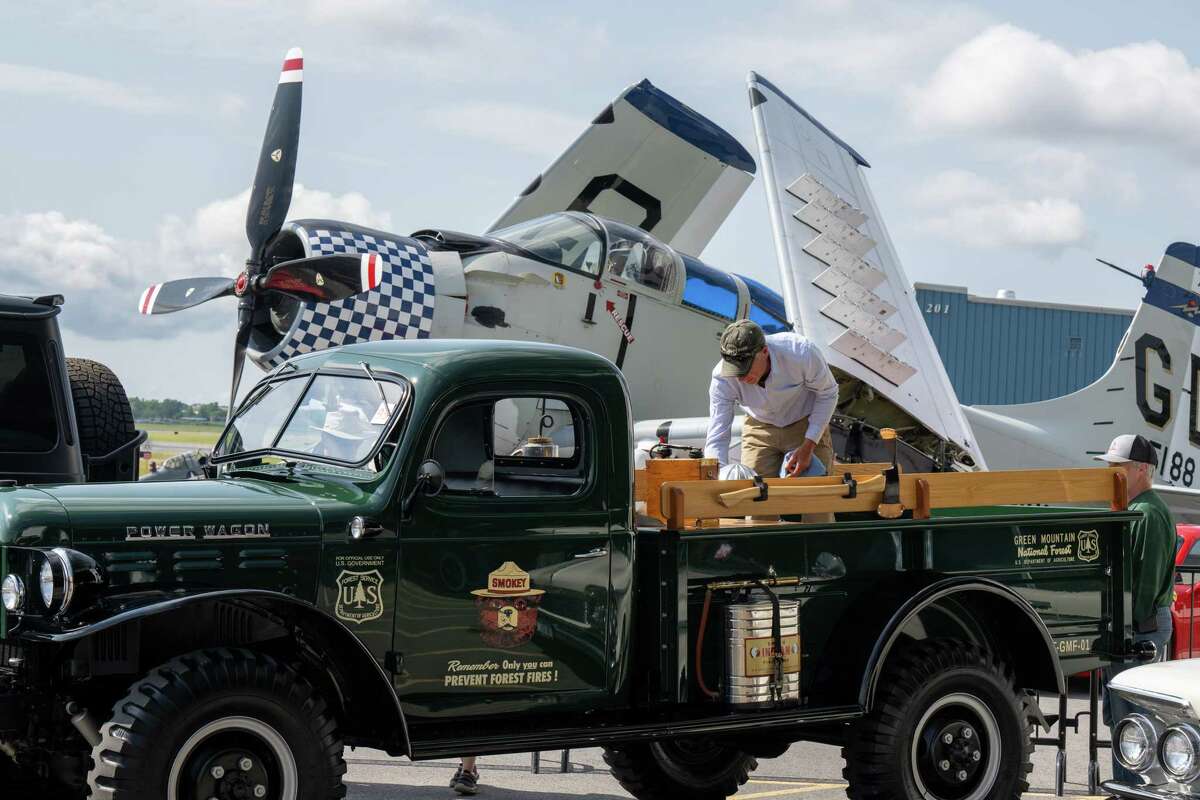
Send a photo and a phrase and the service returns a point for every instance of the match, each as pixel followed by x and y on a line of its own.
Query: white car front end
pixel 1160 741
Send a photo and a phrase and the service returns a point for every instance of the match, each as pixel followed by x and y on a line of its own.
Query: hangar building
pixel 1000 350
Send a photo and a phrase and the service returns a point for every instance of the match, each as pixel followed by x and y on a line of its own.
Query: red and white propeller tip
pixel 146 303
pixel 371 271
pixel 293 67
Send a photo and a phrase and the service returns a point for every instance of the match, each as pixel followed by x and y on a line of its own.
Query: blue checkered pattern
pixel 401 307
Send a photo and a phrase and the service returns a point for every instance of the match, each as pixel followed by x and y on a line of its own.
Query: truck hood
pixel 1177 682
pixel 168 511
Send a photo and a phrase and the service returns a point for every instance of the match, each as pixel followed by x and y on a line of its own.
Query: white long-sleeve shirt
pixel 799 385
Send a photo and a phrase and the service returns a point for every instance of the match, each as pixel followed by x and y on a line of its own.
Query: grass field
pixel 181 433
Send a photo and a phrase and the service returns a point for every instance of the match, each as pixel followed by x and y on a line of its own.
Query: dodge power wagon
pixel 431 548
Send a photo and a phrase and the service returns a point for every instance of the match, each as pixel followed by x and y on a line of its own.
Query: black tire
pixel 219 708
pixel 699 769
pixel 933 690
pixel 104 417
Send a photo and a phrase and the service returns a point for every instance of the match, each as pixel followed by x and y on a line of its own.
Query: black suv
pixel 62 420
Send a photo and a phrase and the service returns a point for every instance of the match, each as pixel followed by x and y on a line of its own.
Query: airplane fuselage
pixel 570 278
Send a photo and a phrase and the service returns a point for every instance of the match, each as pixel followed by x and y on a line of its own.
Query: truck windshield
pixel 331 418
pixel 27 419
pixel 559 238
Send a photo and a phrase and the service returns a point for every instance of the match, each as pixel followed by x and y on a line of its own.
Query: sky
pixel 1011 143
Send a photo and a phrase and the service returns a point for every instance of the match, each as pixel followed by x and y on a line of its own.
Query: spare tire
pixel 104 417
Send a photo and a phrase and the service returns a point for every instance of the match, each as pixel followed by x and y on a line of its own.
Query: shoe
pixel 457 774
pixel 465 782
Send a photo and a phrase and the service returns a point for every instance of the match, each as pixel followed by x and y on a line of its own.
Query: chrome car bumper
pixel 1143 792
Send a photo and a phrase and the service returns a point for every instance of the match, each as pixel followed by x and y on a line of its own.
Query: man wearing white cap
pixel 1152 563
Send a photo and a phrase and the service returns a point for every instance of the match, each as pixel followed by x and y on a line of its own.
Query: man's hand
pixel 801 458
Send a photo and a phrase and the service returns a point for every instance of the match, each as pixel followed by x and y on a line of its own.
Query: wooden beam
pixel 701 499
pixel 921 510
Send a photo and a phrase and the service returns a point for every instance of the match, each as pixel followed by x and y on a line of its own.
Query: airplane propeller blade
pixel 272 192
pixel 165 298
pixel 245 318
pixel 324 279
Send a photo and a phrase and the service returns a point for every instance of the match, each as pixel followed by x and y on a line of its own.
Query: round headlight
pixel 1135 742
pixel 1180 753
pixel 46 582
pixel 12 594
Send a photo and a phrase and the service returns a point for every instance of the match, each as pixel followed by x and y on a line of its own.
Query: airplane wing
pixel 646 160
pixel 843 284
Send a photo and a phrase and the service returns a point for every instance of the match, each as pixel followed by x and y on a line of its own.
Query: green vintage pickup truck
pixel 430 547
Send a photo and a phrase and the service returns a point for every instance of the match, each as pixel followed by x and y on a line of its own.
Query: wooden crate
pixel 680 501
pixel 658 471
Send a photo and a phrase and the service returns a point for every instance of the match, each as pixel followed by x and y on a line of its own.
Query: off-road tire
pixel 663 771
pixel 204 690
pixel 104 417
pixel 887 758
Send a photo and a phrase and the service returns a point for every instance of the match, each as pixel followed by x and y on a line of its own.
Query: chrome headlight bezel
pixel 57 565
pixel 13 586
pixel 1190 735
pixel 1143 724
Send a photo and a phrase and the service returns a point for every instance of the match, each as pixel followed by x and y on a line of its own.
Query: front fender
pixel 371 709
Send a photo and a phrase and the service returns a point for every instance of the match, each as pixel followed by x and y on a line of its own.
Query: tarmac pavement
pixel 809 771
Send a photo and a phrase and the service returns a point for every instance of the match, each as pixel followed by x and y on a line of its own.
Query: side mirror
pixel 431 478
pixel 429 481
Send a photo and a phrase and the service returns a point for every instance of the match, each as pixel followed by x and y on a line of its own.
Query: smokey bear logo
pixel 508 607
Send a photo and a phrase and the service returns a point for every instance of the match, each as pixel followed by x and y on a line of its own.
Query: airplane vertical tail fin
pixel 1142 392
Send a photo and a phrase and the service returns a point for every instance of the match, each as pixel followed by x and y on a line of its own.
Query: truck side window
pixel 513 447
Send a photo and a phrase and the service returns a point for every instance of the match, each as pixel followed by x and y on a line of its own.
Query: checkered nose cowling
pixel 402 307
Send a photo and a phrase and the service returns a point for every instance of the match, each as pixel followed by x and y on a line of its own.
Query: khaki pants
pixel 765 446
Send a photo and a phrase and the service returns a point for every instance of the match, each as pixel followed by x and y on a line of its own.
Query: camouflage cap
pixel 740 343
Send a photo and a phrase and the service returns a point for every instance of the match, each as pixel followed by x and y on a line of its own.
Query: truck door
pixel 504 594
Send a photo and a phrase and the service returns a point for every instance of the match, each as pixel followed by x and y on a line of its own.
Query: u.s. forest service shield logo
pixel 360 596
pixel 1089 545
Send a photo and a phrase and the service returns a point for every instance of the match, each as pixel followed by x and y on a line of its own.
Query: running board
pixel 491 741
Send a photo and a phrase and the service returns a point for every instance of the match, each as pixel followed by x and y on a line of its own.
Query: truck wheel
pixel 219 724
pixel 700 769
pixel 104 417
pixel 948 724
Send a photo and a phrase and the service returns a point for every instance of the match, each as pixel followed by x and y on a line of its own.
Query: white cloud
pixel 525 128
pixel 1059 170
pixel 27 80
pixel 103 276
pixel 967 208
pixel 849 45
pixel 954 187
pixel 1007 80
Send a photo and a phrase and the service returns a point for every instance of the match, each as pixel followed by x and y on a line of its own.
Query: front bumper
pixel 1144 792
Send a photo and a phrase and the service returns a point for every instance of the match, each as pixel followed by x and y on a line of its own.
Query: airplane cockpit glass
pixel 337 418
pixel 562 239
pixel 709 290
pixel 635 257
pixel 766 307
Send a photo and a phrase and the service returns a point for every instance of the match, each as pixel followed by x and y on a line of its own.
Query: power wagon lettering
pixel 166 533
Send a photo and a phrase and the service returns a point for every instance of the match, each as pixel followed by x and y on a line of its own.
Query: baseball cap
pixel 740 343
pixel 1130 447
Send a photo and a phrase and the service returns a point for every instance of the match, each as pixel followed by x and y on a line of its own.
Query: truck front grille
pixel 10 650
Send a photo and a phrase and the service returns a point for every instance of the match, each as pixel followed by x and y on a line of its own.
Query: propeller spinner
pixel 321 279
